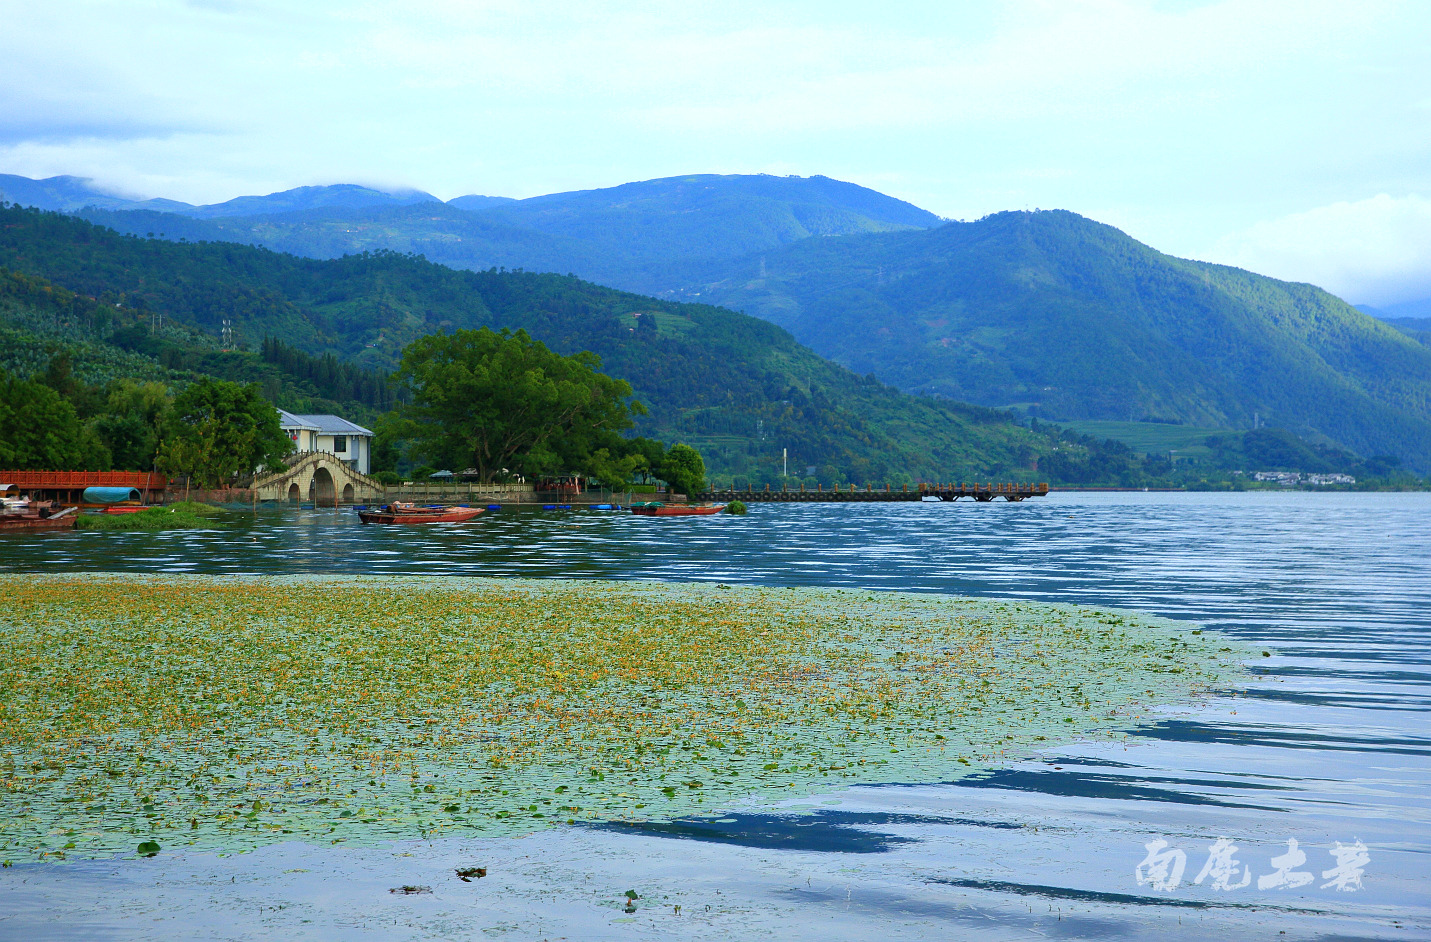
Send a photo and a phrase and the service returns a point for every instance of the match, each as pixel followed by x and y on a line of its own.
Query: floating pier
pixel 982 492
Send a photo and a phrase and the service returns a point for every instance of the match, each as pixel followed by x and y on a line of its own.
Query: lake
pixel 1329 744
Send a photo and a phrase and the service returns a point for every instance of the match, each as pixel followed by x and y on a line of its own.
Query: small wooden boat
pixel 657 509
pixel 398 512
pixel 39 520
pixel 124 508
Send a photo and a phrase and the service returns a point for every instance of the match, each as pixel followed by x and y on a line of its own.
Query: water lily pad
pixel 231 712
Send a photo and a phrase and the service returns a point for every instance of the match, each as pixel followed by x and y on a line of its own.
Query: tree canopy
pixel 683 470
pixel 499 402
pixel 41 430
pixel 217 430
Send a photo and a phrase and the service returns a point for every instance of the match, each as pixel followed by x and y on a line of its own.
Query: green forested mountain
pixel 1049 313
pixel 738 388
pixel 1071 319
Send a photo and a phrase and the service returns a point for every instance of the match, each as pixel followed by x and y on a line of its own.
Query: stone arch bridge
pixel 319 478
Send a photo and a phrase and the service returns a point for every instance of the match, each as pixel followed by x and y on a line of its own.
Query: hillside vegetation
pixel 1071 319
pixel 322 335
pixel 738 388
pixel 48 331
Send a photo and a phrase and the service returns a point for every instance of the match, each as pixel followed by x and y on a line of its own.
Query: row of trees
pixel 212 432
pixel 500 403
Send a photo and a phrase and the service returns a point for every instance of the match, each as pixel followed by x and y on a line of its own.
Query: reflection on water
pixel 1328 744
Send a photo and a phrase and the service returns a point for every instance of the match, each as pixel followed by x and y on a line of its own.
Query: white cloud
pixel 1372 251
pixel 1181 120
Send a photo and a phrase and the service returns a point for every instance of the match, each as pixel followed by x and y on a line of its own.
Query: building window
pixel 340 444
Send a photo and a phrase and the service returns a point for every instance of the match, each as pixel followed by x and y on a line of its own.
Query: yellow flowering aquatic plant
pixel 228 712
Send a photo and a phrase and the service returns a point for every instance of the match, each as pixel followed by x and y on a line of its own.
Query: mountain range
pixel 740 389
pixel 1047 313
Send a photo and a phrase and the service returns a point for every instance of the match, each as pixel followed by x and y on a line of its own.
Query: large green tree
pixel 132 422
pixel 41 431
pixel 684 470
pixel 493 401
pixel 217 430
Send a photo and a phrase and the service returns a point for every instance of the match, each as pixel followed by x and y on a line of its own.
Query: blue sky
pixel 1290 138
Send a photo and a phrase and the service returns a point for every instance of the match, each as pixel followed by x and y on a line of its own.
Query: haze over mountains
pixel 1045 312
pixel 639 236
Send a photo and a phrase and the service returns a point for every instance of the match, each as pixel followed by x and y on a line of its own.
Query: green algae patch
pixel 184 515
pixel 231 712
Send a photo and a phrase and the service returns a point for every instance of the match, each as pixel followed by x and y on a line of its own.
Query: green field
pixel 1151 437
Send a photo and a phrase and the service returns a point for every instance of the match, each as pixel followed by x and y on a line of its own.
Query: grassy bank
pixel 184 515
pixel 231 712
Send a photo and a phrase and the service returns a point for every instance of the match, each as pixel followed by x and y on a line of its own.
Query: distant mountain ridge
pixel 71 194
pixel 1409 317
pixel 644 236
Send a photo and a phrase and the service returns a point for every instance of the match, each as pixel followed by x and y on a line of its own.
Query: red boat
pixel 398 512
pixel 658 509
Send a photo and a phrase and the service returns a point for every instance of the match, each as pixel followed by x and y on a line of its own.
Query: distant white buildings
pixel 350 443
pixel 1290 478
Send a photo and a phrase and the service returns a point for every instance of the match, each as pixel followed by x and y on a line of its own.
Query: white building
pixel 349 442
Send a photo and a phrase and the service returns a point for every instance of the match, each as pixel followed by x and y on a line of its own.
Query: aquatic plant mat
pixel 142 714
pixel 183 515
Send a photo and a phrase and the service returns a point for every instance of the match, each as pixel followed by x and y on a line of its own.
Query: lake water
pixel 1328 745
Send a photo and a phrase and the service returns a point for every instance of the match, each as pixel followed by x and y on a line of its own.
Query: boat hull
pixel 676 511
pixel 66 522
pixel 450 515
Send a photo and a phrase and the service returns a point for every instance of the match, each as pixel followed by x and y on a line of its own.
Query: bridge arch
pixel 321 487
pixel 318 477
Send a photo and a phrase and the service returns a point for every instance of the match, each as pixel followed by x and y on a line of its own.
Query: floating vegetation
pixel 229 712
pixel 184 515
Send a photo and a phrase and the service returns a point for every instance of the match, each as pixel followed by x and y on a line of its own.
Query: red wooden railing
pixel 144 480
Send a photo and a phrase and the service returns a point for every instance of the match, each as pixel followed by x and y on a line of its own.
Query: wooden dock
pixel 68 486
pixel 982 492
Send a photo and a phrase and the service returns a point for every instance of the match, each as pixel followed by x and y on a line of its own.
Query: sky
pixel 1291 138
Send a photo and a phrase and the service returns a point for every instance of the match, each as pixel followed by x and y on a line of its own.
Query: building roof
pixel 332 425
pixel 288 420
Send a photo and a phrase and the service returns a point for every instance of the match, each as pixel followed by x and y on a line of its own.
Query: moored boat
pixel 41 519
pixel 657 509
pixel 398 512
